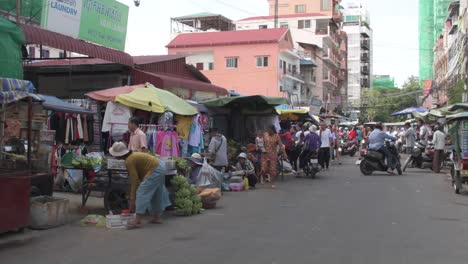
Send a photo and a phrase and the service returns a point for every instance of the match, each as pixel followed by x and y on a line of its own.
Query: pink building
pixel 249 62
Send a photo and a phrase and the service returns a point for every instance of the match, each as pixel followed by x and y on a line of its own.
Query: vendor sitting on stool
pixel 196 163
pixel 245 168
pixel 147 177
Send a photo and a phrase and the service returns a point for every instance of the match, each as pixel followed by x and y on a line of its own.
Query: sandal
pixel 131 226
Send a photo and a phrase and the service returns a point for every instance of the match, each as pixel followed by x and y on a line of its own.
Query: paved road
pixel 341 217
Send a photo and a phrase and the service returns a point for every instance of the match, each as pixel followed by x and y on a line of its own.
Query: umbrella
pixel 156 100
pixel 110 94
pixel 410 110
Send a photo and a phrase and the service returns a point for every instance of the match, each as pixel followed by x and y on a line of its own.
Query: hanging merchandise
pixel 166 119
pixel 167 144
pixel 196 136
pixel 183 126
pixel 116 119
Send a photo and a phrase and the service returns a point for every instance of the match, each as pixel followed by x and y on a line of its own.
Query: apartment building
pixel 316 30
pixel 357 26
pixel 249 62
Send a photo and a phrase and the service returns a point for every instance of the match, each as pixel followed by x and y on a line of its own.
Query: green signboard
pixel 103 22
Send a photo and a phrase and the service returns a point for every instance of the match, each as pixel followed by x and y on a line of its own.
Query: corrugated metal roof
pixel 282 16
pixel 63 62
pixel 256 36
pixel 35 35
pixel 197 15
pixel 147 59
pixel 168 81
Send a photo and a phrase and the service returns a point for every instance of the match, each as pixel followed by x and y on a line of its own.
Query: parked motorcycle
pixel 421 157
pixel 375 161
pixel 348 147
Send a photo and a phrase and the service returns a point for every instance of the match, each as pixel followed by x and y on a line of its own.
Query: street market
pixel 275 131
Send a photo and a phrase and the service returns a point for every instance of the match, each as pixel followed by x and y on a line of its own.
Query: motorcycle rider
pixel 377 143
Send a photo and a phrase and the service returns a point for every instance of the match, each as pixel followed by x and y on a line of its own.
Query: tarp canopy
pixel 459 106
pixel 252 102
pixel 55 104
pixel 13 90
pixel 11 56
pixel 200 107
pixel 410 110
pixel 156 100
pixel 457 116
pixel 297 114
pixel 110 94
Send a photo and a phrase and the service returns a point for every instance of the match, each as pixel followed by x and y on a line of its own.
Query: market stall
pixel 251 113
pixel 26 149
pixel 173 128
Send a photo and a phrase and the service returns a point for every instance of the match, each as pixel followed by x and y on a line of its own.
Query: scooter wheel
pixel 365 168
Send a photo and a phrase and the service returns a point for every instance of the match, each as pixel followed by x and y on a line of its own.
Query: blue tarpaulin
pixel 410 110
pixel 55 104
pixel 13 90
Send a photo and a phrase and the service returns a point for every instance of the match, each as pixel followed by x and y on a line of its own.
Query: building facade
pixel 357 26
pixel 318 37
pixel 450 58
pixel 250 62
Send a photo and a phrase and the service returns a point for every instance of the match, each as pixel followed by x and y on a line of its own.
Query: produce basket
pixel 209 205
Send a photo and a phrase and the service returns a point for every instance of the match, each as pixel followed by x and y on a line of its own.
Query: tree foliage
pixel 379 104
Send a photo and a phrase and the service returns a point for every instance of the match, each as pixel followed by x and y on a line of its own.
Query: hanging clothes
pixel 167 144
pixel 195 132
pixel 85 128
pixel 116 119
pixel 183 126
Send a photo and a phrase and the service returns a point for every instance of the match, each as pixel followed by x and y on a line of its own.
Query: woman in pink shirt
pixel 138 141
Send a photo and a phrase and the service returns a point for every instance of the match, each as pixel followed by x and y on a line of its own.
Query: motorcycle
pixel 311 168
pixel 348 147
pixel 421 156
pixel 375 161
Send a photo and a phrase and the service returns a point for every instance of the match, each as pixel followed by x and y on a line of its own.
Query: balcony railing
pixel 330 57
pixel 330 79
pixel 365 70
pixel 365 57
pixel 365 44
pixel 365 83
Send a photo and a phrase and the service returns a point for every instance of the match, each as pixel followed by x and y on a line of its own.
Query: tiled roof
pixel 282 16
pixel 256 36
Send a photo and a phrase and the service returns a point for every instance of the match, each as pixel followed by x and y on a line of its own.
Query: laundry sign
pixel 103 22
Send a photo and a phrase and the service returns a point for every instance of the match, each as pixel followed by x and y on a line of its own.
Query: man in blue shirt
pixel 377 143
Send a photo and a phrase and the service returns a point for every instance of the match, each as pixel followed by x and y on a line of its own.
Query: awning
pixel 459 106
pixel 55 104
pixel 200 107
pixel 13 90
pixel 36 35
pixel 410 110
pixel 156 100
pixel 167 81
pixel 247 100
pixel 109 94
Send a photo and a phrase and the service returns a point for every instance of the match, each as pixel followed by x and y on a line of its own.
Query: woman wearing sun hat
pixel 147 177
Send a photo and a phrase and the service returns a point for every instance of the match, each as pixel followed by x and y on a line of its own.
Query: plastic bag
pixel 209 177
pixel 287 166
pixel 93 220
pixel 246 184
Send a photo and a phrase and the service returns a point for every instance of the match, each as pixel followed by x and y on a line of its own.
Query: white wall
pixel 204 57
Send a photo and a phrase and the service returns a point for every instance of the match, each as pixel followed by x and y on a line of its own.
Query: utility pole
pixel 18 12
pixel 276 13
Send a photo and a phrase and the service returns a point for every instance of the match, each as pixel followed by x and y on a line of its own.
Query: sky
pixel 395 26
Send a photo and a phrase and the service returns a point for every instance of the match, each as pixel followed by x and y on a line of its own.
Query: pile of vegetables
pixel 87 162
pixel 181 164
pixel 233 148
pixel 187 200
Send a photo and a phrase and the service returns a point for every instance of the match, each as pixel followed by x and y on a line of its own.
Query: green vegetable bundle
pixel 187 200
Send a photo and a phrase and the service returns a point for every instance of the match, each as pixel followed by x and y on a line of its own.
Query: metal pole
pixel 276 13
pixel 18 12
pixel 30 114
